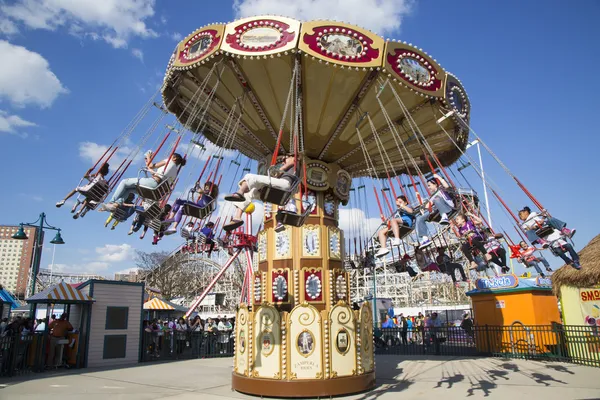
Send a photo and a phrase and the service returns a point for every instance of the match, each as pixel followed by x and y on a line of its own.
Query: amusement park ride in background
pixel 354 110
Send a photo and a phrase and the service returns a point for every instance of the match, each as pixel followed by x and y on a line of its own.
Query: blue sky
pixel 73 74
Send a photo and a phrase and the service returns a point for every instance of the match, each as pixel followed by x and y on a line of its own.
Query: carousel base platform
pixel 305 387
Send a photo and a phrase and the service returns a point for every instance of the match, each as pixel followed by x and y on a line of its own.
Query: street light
pixel 485 194
pixel 37 246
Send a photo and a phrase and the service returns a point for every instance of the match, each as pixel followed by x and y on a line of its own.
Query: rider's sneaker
pixel 382 252
pixel 396 242
pixel 444 220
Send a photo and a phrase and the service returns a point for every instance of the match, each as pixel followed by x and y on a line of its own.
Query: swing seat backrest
pixel 119 214
pixel 280 197
pixel 544 231
pixel 195 211
pixel 152 212
pixel 292 218
pixel 97 192
pixel 186 234
pixel 201 239
pixel 155 194
pixel 155 224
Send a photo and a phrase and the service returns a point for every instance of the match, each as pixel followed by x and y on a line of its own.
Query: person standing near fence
pixel 420 326
pixel 467 325
pixel 225 329
pixel 181 331
pixel 403 330
pixel 58 331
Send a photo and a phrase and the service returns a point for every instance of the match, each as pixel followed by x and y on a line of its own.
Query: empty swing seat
pixel 195 211
pixel 293 219
pixel 280 197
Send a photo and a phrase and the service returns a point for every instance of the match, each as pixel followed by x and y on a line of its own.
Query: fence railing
pixel 574 344
pixel 21 353
pixel 185 345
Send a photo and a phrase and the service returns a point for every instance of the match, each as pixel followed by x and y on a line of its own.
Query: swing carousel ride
pixel 355 112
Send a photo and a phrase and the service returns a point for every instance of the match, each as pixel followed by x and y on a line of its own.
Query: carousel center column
pixel 300 337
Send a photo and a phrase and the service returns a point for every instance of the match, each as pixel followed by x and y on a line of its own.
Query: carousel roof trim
pixel 589 274
pixel 257 66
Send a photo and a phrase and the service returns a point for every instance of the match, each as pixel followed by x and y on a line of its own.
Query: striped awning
pixel 157 304
pixel 60 293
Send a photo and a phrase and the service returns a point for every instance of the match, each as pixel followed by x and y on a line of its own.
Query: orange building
pixel 512 309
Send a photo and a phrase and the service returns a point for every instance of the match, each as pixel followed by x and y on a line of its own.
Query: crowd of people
pixel 420 329
pixel 176 335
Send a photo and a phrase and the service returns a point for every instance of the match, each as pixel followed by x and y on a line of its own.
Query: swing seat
pixel 96 193
pixel 195 211
pixel 544 231
pixel 156 224
pixel 404 232
pixel 293 219
pixel 155 194
pixel 280 197
pixel 119 215
pixel 435 216
pixel 152 212
pixel 186 234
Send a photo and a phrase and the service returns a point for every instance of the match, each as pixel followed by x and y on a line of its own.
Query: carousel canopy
pixel 344 74
pixel 61 293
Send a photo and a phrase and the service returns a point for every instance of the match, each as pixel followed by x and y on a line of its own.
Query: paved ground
pixel 397 377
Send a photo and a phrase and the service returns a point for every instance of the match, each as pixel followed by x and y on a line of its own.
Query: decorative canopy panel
pixel 348 78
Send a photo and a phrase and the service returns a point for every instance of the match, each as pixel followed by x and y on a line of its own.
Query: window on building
pixel 116 317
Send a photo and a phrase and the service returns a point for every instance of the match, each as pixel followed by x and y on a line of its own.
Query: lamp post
pixel 485 194
pixel 41 223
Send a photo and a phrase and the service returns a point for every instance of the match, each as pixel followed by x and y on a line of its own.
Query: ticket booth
pixel 77 307
pixel 515 314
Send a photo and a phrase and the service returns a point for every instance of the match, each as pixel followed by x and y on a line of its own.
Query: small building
pixel 115 326
pixel 77 306
pixel 510 308
pixel 8 302
pixel 579 294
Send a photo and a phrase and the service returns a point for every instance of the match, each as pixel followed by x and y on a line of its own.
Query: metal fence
pixel 158 346
pixel 573 344
pixel 21 354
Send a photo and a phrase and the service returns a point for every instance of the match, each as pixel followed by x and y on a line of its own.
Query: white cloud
pixel 115 252
pixel 90 151
pixel 94 267
pixel 176 36
pixel 7 27
pixel 354 222
pixel 380 16
pixel 26 78
pixel 114 21
pixel 13 124
pixel 137 53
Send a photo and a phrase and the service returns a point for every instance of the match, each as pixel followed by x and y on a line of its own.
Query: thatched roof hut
pixel 587 276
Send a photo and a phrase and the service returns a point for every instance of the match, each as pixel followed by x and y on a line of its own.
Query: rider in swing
pixel 251 185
